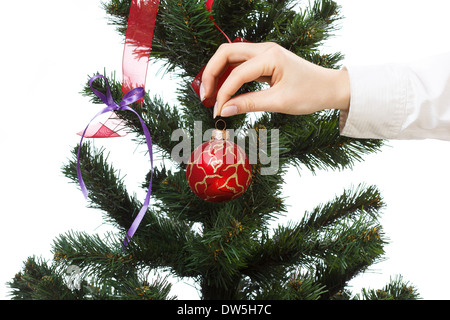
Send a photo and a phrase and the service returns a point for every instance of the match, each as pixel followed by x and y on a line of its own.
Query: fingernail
pixel 202 92
pixel 229 111
pixel 215 111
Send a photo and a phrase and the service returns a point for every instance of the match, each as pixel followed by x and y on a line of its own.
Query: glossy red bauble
pixel 218 171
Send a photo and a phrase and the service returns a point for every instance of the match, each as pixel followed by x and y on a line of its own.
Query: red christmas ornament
pixel 218 170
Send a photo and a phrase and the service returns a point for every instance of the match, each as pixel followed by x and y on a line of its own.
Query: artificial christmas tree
pixel 228 248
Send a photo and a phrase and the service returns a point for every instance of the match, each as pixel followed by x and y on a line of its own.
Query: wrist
pixel 341 90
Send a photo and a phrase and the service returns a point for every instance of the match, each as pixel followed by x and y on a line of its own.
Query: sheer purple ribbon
pixel 132 96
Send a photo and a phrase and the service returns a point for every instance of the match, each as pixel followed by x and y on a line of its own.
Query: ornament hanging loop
pixel 221 121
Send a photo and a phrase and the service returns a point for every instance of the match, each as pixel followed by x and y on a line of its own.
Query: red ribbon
pixel 198 79
pixel 136 55
pixel 209 5
pixel 138 43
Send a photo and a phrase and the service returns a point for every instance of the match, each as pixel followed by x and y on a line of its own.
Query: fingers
pixel 256 68
pixel 228 54
pixel 266 100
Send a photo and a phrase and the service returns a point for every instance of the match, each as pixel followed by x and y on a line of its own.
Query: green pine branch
pixel 42 280
pixel 348 205
pixel 302 33
pixel 107 191
pixel 396 289
pixel 315 141
pixel 100 257
pixel 324 236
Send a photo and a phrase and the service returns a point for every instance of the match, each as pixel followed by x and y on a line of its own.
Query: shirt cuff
pixel 377 103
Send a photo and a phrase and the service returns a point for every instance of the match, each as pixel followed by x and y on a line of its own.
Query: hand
pixel 296 85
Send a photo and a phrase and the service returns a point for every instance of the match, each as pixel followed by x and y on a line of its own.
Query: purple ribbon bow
pixel 132 96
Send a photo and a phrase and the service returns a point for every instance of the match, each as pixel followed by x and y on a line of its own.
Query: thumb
pixel 265 100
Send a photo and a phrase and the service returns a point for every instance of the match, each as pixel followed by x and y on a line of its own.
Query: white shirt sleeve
pixel 400 101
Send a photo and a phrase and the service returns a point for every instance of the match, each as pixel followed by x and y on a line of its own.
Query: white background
pixel 49 48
